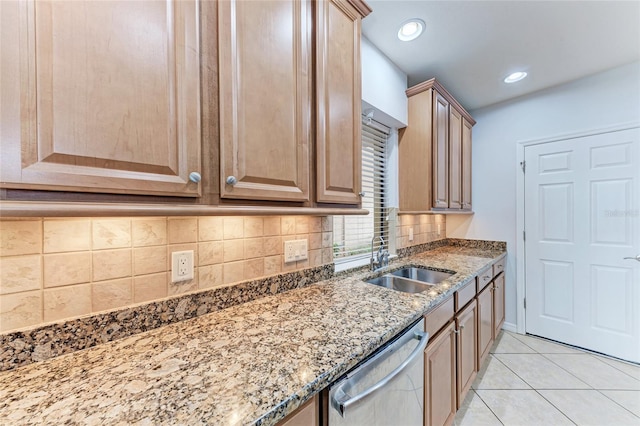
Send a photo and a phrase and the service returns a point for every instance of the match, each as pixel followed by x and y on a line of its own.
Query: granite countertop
pixel 252 363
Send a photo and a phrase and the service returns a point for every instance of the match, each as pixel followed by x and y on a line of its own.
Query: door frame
pixel 520 219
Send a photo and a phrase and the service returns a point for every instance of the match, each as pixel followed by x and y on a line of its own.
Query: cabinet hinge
pixel 523 164
pixel 524 236
pixel 525 303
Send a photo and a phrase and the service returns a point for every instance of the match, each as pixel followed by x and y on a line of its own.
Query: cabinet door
pixel 440 379
pixel 498 304
pixel 467 351
pixel 264 51
pixel 101 96
pixel 455 159
pixel 466 164
pixel 339 144
pixel 485 323
pixel 306 415
pixel 414 155
pixel 440 152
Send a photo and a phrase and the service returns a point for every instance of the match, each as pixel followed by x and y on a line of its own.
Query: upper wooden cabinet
pixel 266 104
pixel 265 69
pixel 100 96
pixel 465 173
pixel 338 143
pixel 435 152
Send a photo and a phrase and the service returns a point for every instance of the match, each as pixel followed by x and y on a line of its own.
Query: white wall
pixel 383 86
pixel 598 101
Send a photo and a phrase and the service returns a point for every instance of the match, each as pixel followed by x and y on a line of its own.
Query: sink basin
pixel 400 284
pixel 423 275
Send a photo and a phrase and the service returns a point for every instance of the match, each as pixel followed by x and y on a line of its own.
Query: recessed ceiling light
pixel 516 76
pixel 411 29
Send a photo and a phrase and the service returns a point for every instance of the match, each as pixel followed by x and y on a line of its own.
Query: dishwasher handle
pixel 341 401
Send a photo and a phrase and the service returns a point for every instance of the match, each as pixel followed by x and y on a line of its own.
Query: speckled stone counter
pixel 249 364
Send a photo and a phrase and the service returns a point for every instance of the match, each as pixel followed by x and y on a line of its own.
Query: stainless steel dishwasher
pixel 385 389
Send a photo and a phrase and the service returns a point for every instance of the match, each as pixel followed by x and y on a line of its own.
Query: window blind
pixel 352 234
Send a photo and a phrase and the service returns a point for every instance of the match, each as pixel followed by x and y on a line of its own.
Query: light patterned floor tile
pixel 590 408
pixel 543 346
pixel 627 399
pixel 495 375
pixel 595 373
pixel 507 344
pixel 522 408
pixel 539 372
pixel 631 369
pixel 474 412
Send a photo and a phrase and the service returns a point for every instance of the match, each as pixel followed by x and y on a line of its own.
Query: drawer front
pixel 499 266
pixel 464 295
pixel 484 279
pixel 439 317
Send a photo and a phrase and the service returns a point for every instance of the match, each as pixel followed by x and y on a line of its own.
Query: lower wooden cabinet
pixel 461 344
pixel 498 304
pixel 467 350
pixel 440 378
pixel 485 323
pixel 306 415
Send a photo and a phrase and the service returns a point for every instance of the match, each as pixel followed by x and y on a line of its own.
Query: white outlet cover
pixel 181 266
pixel 411 233
pixel 295 250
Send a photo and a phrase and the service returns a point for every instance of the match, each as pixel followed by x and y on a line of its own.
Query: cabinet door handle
pixel 461 327
pixel 486 277
pixel 456 331
pixel 195 177
pixel 231 180
pixel 362 193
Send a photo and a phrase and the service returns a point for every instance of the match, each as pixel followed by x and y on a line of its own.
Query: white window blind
pixel 352 234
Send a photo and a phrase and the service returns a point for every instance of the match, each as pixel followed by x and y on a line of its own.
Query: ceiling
pixel 470 46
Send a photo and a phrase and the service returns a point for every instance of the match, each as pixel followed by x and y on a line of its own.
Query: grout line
pixel 553 405
pixel 600 358
pixel 489 408
pixel 616 402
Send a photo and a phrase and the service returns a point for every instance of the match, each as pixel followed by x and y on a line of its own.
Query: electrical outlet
pixel 296 250
pixel 411 233
pixel 181 266
pixel 438 229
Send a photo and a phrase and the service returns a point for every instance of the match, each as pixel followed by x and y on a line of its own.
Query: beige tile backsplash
pixel 54 269
pixel 425 229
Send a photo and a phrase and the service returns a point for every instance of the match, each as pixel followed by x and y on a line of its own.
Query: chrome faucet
pixel 382 257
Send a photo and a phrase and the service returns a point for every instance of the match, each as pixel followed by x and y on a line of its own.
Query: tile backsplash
pixel 55 269
pixel 426 228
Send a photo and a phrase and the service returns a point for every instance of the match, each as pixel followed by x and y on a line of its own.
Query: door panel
pixel 579 288
pixel 455 159
pixel 440 152
pixel 466 164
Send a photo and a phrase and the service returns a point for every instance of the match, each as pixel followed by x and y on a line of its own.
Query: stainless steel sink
pixel 400 284
pixel 423 275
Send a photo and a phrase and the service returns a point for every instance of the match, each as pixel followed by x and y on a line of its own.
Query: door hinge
pixel 523 164
pixel 525 303
pixel 524 236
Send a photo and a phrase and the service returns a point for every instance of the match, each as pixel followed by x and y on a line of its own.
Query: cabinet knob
pixel 231 180
pixel 195 177
pixel 461 327
pixel 456 331
pixel 362 193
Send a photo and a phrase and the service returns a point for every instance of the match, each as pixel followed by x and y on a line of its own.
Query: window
pixel 352 234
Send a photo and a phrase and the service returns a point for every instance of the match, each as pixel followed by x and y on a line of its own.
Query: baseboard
pixel 508 326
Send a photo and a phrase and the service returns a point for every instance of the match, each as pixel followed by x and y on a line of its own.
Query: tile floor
pixel 529 381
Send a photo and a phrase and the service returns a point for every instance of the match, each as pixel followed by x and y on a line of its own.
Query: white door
pixel 582 219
